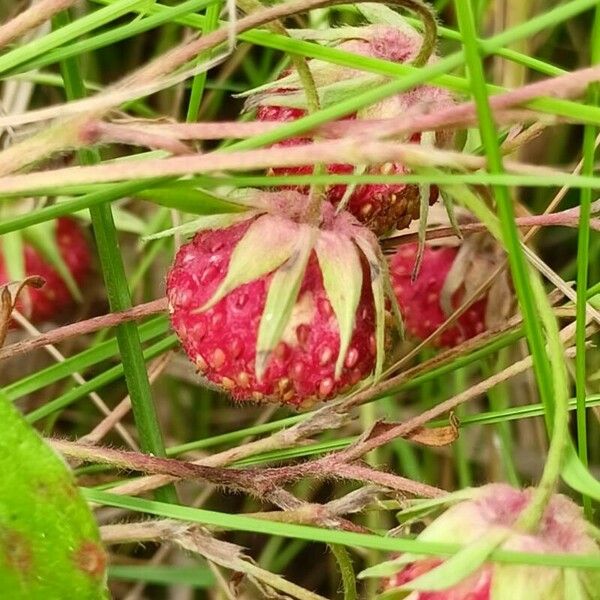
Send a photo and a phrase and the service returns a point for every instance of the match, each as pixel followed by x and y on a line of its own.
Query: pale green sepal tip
pixel 418 508
pixel 281 297
pixel 388 567
pixel 202 224
pixel 456 568
pixel 342 279
pixel 395 594
pixel 375 261
pixel 528 581
pixel 267 244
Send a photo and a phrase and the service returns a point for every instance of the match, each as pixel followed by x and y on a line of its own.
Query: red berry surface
pixel 54 297
pixel 221 341
pixel 419 301
pixel 382 207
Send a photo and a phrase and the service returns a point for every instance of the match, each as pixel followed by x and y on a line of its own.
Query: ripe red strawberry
pixel 495 510
pixel 420 301
pixel 222 340
pixel 51 300
pixel 382 207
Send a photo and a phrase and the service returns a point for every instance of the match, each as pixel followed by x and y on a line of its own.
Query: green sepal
pixel 376 260
pixel 381 14
pixel 330 94
pixel 449 206
pixel 202 224
pixel 342 279
pixel 268 243
pixel 395 594
pixel 427 140
pixel 125 220
pixel 13 254
pixel 459 566
pixel 389 567
pixel 526 581
pixel 574 586
pixel 393 300
pixel 421 508
pixel 43 238
pixel 282 295
pixel 191 200
pixel 49 541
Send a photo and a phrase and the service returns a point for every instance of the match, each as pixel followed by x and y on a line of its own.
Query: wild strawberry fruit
pixel 382 207
pixel 57 294
pixel 494 510
pixel 272 308
pixel 448 275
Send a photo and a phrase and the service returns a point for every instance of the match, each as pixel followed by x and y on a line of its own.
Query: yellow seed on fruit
pixel 243 379
pixel 326 355
pixel 227 383
pixel 218 359
pixel 325 387
pixel 366 210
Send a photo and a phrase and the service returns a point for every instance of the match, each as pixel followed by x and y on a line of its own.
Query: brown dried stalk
pixel 565 218
pixel 347 150
pixel 258 482
pixel 83 327
pixel 29 19
pixel 134 131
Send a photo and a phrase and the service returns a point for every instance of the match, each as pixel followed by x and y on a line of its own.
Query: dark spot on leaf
pixel 91 559
pixel 375 270
pixel 15 550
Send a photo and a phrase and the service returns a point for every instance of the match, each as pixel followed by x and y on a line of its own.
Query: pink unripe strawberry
pixel 54 297
pixel 380 206
pixel 473 587
pixel 495 510
pixel 222 309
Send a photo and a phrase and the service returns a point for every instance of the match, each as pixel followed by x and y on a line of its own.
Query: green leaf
pixel 43 237
pixel 282 296
pixel 267 244
pixel 49 541
pixel 342 278
pixel 389 567
pixel 376 263
pixel 456 568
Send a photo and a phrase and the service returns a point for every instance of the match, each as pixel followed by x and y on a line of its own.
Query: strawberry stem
pixel 430 32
